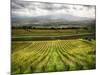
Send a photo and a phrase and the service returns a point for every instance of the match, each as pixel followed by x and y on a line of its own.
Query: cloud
pixel 35 9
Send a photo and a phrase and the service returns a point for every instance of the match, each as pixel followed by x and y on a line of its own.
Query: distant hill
pixel 60 19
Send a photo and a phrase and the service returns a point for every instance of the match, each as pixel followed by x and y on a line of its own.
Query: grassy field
pixel 48 32
pixel 53 55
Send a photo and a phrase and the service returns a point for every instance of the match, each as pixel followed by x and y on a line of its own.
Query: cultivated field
pixel 52 37
pixel 53 55
pixel 51 34
pixel 47 32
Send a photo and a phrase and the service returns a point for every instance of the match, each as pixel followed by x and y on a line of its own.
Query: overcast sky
pixel 37 9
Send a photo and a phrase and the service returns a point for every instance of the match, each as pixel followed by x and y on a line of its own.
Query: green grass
pixel 49 32
pixel 53 55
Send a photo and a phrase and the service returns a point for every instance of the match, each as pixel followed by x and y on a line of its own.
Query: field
pixel 52 37
pixel 58 55
pixel 51 55
pixel 48 32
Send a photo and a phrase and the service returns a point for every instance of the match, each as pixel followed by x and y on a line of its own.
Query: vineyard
pixel 52 55
pixel 52 37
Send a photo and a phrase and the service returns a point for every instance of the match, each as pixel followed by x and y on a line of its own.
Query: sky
pixel 53 11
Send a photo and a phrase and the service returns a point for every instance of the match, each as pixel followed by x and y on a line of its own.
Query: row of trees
pixel 31 27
